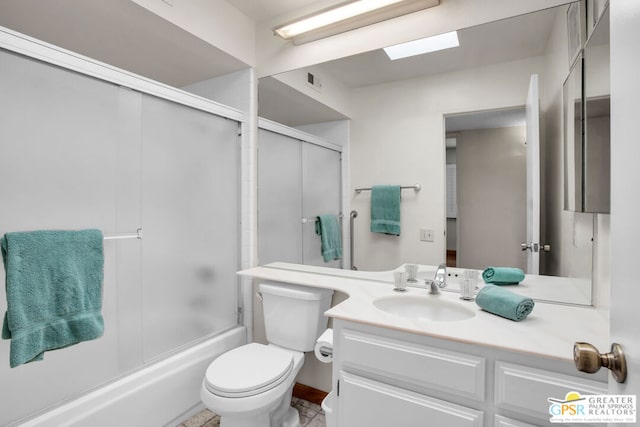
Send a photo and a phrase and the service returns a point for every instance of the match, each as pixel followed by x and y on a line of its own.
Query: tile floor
pixel 311 415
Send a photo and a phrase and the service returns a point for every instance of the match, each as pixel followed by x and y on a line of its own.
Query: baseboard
pixel 309 394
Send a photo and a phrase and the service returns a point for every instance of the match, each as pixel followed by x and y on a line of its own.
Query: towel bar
pixel 314 219
pixel 416 187
pixel 136 235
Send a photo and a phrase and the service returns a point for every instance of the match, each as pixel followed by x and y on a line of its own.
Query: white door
pixel 625 198
pixel 533 177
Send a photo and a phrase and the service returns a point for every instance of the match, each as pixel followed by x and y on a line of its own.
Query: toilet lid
pixel 248 370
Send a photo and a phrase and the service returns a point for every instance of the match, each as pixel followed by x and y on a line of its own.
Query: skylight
pixel 421 46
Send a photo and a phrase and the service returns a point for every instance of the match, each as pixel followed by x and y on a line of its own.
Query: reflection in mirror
pixel 486 203
pixel 597 134
pixel 573 139
pixel 397 110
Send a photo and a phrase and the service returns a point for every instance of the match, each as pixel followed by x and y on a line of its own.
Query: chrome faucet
pixel 439 281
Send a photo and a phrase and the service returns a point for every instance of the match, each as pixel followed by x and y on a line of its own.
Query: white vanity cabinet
pixel 388 377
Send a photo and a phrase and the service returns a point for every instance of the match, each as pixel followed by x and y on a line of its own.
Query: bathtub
pixel 156 395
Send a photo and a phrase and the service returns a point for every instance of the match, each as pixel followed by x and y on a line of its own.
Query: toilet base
pixel 292 419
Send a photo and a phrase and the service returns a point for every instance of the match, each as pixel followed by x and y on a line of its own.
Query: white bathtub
pixel 153 396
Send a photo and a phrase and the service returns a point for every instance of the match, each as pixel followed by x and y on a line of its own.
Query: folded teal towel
pixel 328 229
pixel 504 303
pixel 502 275
pixel 385 209
pixel 54 291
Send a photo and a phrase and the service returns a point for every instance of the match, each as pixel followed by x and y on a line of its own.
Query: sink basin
pixel 427 307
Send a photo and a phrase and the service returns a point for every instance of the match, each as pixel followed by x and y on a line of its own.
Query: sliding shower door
pixel 59 143
pixel 190 218
pixel 321 185
pixel 80 152
pixel 297 181
pixel 279 198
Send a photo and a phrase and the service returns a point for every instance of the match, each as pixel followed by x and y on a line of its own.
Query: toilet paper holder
pixel 325 351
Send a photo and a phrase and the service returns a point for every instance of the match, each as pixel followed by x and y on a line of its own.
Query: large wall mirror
pixel 401 114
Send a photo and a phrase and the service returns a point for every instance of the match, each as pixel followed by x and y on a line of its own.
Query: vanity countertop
pixel 549 331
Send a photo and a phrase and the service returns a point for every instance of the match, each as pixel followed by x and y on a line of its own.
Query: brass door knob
pixel 588 359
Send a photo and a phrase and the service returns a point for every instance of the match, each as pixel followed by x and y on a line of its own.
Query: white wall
pixel 216 22
pixel 397 137
pixel 233 89
pixel 333 93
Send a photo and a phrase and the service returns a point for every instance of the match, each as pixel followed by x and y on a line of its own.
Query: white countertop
pixel 549 331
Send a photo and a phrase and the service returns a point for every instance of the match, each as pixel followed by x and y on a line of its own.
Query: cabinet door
pixel 321 195
pixel 364 402
pixel 279 198
pixel 526 390
pixel 501 421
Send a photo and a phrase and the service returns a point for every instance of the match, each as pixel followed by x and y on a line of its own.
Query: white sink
pixel 424 307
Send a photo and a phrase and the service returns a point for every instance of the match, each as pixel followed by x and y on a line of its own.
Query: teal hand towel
pixel 385 209
pixel 504 303
pixel 328 228
pixel 54 291
pixel 502 275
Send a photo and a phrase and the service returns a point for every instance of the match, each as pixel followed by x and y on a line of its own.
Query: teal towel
pixel 328 229
pixel 54 291
pixel 502 275
pixel 385 209
pixel 504 303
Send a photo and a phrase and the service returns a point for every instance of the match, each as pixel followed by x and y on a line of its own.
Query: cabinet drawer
pixel 501 421
pixel 365 402
pixel 416 364
pixel 526 390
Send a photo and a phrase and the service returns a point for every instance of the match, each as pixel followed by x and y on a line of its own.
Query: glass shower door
pixel 190 220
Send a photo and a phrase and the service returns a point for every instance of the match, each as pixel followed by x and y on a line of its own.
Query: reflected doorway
pixel 486 188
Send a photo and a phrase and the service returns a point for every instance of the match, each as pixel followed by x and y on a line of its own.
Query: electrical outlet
pixel 426 235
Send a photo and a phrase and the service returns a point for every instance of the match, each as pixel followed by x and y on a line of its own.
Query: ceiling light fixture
pixel 348 16
pixel 426 45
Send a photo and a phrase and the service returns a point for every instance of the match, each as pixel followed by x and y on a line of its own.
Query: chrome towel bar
pixel 416 187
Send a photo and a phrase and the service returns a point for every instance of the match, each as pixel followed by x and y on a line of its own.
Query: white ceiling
pixel 501 41
pixel 262 10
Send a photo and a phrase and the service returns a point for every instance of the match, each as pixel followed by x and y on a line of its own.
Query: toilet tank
pixel 294 315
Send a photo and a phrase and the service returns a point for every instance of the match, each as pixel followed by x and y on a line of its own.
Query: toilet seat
pixel 248 370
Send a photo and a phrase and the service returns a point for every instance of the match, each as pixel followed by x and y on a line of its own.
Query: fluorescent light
pixel 331 16
pixel 418 47
pixel 347 16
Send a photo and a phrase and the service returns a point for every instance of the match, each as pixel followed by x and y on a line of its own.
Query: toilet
pixel 251 385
